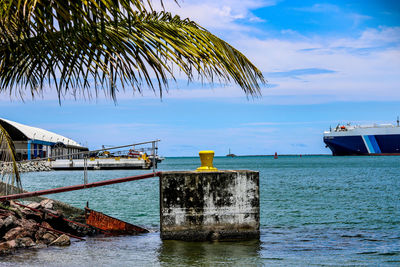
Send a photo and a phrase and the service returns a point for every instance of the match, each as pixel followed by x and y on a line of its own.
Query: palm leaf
pixel 77 45
pixel 10 174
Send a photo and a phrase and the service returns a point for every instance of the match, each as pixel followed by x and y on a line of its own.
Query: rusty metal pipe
pixel 78 187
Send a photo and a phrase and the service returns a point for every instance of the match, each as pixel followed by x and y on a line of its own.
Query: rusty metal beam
pixel 80 186
pixel 111 225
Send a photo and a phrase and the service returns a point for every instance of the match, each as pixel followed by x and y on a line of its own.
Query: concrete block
pixel 198 206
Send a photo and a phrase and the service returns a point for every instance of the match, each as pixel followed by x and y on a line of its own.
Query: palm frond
pixel 10 174
pixel 76 44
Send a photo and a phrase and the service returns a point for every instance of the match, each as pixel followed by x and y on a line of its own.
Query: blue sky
pixel 325 62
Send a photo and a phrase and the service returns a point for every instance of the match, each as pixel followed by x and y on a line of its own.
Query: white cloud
pixel 368 76
pixel 371 37
pixel 371 75
pixel 221 14
pixel 365 67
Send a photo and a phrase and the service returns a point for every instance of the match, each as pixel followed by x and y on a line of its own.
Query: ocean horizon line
pixel 266 155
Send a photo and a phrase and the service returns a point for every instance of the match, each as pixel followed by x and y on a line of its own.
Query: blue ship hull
pixel 371 145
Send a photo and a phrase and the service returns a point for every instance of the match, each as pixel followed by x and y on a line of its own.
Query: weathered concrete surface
pixel 198 206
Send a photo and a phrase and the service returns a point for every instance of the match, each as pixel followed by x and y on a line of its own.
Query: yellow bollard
pixel 206 158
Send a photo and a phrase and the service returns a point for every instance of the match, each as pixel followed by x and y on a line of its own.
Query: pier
pixel 109 158
pixel 99 164
pixel 202 204
pixel 218 205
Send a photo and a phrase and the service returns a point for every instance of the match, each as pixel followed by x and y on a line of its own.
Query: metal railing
pixel 86 154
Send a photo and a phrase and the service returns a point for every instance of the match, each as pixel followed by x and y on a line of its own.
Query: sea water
pixel 315 210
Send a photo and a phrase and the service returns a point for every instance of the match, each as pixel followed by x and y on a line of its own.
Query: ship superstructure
pixel 376 139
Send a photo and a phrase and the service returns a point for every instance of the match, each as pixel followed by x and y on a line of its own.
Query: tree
pixel 77 45
pixel 10 174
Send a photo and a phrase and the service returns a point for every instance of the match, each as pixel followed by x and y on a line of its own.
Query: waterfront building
pixel 32 142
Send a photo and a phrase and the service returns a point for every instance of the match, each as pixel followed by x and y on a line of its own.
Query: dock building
pixel 31 142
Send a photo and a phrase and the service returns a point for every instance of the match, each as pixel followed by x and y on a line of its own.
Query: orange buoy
pixel 276 155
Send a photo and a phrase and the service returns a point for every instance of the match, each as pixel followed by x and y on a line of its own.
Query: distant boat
pixel 230 154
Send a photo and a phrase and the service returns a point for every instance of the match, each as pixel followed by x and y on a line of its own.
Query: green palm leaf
pixel 10 174
pixel 78 45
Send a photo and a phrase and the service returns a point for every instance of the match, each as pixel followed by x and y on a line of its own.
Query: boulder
pixel 24 242
pixel 16 232
pixel 9 221
pixel 80 230
pixel 48 237
pixel 30 226
pixel 13 205
pixel 34 205
pixel 39 234
pixel 17 210
pixel 46 224
pixel 47 204
pixel 54 212
pixel 45 236
pixel 7 247
pixel 62 240
pixel 12 243
pixel 22 227
pixel 5 213
pixel 30 214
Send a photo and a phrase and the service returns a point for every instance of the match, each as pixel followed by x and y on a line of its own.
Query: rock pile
pixel 28 166
pixel 37 226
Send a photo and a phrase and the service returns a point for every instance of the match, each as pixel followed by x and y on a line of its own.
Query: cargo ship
pixel 376 139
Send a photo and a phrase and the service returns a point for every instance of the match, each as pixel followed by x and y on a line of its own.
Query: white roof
pixel 41 134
